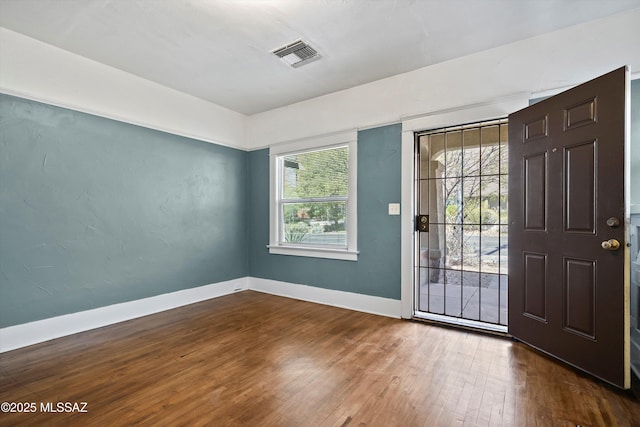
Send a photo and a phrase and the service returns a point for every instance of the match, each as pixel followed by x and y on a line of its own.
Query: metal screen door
pixel 461 260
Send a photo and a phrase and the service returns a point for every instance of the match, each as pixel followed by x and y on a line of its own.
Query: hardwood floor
pixel 261 360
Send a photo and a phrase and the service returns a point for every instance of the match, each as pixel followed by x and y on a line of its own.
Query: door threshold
pixel 473 325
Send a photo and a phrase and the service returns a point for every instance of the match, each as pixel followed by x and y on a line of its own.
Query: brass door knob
pixel 611 245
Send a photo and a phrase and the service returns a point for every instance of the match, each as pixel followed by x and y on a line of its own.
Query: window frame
pixel 279 151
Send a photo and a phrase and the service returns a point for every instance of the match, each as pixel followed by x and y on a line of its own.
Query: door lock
pixel 611 245
pixel 422 223
pixel 613 222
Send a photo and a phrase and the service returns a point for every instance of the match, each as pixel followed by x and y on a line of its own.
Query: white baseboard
pixel 352 301
pixel 26 334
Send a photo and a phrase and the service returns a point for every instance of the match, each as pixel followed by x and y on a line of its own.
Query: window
pixel 313 198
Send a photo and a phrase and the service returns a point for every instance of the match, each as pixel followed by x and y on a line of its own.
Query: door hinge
pixel 422 223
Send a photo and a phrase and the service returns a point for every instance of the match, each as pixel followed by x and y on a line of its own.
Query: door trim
pixel 627 228
pixel 489 110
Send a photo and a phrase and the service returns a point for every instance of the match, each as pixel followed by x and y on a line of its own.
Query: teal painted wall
pixel 377 271
pixel 95 212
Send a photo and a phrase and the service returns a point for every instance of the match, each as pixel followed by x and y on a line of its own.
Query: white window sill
pixel 340 254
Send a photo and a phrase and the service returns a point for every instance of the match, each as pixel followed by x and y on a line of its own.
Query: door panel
pixel 579 296
pixel 535 191
pixel 580 185
pixel 535 286
pixel 566 178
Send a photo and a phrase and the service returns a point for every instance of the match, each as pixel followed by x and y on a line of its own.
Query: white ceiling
pixel 219 50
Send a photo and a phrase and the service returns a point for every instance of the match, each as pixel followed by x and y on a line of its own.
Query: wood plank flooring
pixel 261 360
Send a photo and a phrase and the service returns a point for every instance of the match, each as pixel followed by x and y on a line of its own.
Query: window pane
pixel 471 200
pixel 453 242
pixel 432 290
pixel 504 298
pixel 504 199
pixel 471 152
pixel 490 297
pixel 432 247
pixel 504 250
pixel 452 198
pixel 504 148
pixel 453 157
pixel 432 156
pixel 471 295
pixel 470 248
pixel 424 157
pixel 315 223
pixel 490 151
pixel 425 203
pixel 453 293
pixel 316 174
pixel 490 249
pixel 490 200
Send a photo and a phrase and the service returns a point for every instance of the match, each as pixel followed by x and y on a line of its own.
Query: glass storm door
pixel 461 260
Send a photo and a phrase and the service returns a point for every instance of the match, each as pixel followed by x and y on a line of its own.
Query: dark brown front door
pixel 567 210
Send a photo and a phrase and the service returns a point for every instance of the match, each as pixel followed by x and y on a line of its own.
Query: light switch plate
pixel 394 208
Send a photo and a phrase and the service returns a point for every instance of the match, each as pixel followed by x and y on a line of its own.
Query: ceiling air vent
pixel 297 53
